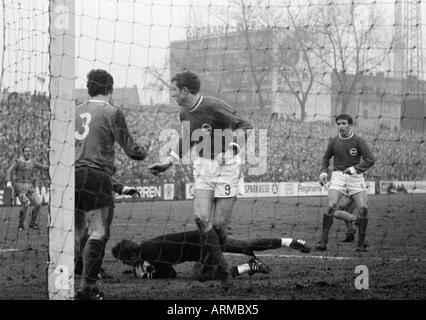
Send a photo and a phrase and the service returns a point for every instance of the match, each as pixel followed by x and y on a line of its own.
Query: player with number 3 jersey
pixel 98 125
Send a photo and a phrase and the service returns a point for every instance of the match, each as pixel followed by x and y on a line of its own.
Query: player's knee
pixel 37 206
pixel 202 224
pixel 332 207
pixel 99 235
pixel 25 203
pixel 341 207
pixel 221 233
pixel 363 212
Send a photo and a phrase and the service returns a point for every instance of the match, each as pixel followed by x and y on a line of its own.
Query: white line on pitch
pixel 8 250
pixel 333 258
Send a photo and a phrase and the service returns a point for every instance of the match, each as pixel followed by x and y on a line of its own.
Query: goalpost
pixel 61 153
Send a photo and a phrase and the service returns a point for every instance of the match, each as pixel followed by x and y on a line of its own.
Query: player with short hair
pixel 216 165
pixel 155 258
pixel 24 187
pixel 351 158
pixel 98 125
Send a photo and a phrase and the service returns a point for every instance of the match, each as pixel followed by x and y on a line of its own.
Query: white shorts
pixel 223 180
pixel 347 184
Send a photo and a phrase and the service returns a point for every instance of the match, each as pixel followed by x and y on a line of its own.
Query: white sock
pixel 285 242
pixel 243 268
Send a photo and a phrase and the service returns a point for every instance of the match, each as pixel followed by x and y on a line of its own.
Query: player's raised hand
pixel 157 168
pixel 131 191
pixel 9 184
pixel 323 179
pixel 350 171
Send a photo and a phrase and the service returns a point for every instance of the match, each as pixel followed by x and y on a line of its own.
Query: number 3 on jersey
pixel 85 118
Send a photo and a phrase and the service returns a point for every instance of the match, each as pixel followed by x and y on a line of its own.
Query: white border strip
pixel 8 250
pixel 337 258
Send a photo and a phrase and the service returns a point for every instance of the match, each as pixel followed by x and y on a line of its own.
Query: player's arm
pixel 121 189
pixel 40 166
pixel 325 163
pixel 174 157
pixel 9 174
pixel 367 157
pixel 125 140
pixel 240 126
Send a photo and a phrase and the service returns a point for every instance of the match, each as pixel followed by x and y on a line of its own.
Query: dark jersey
pixel 186 246
pixel 348 152
pixel 208 115
pixel 172 248
pixel 97 126
pixel 24 170
pixel 164 251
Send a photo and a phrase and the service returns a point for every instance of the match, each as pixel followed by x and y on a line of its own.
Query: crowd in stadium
pixel 24 121
pixel 295 149
pixel 294 153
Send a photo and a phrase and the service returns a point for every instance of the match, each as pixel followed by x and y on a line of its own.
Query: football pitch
pixel 396 261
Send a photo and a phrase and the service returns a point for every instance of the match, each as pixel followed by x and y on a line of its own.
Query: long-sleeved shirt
pixel 98 125
pixel 352 151
pixel 209 114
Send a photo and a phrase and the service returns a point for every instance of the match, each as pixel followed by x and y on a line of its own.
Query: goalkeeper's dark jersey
pixel 207 115
pixel 172 248
pixel 348 152
pixel 175 248
pixel 97 126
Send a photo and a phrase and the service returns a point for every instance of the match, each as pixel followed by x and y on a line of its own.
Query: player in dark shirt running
pixel 155 258
pixel 351 158
pixel 98 125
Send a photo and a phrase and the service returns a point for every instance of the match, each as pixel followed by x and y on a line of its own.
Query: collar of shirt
pixel 196 105
pixel 99 101
pixel 348 137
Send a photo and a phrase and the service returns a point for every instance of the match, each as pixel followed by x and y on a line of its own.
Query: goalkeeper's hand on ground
pixel 323 179
pixel 130 191
pixel 350 171
pixel 9 184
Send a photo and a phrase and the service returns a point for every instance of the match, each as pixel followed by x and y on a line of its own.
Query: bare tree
pixel 288 51
pixel 350 44
pixel 249 17
pixel 293 58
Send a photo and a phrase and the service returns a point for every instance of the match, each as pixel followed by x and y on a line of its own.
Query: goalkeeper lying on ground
pixel 155 258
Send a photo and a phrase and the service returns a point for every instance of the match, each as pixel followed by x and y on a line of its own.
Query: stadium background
pixel 389 111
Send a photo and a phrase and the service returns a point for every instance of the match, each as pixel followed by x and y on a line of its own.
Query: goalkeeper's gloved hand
pixel 9 184
pixel 323 179
pixel 350 171
pixel 144 270
pixel 131 192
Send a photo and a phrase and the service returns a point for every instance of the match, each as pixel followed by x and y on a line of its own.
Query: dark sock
pixel 327 222
pixel 22 214
pixel 234 271
pixel 34 215
pixel 78 269
pixel 362 229
pixel 92 260
pixel 78 256
pixel 214 257
pixel 222 236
